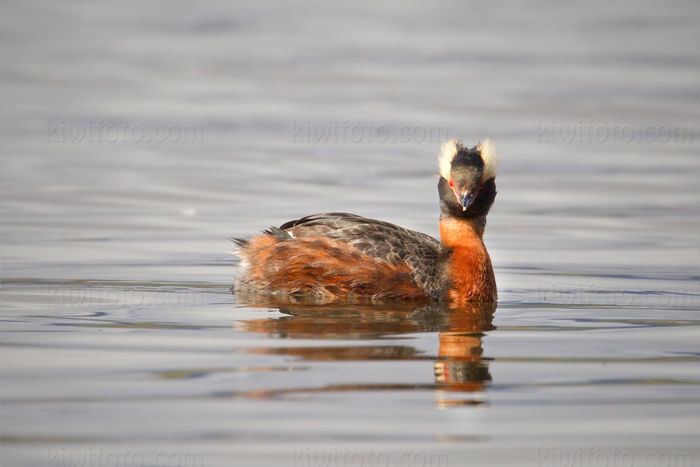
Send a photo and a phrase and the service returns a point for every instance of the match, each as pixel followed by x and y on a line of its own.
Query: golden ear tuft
pixel 490 157
pixel 447 153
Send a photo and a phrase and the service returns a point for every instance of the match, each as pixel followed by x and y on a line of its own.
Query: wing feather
pixel 378 239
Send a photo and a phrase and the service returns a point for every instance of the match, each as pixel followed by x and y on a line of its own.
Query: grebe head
pixel 467 178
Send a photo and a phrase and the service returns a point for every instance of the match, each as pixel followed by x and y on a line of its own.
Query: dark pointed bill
pixel 465 199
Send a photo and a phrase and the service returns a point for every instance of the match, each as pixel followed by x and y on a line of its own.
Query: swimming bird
pixel 341 257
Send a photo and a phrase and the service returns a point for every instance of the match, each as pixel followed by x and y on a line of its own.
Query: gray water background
pixel 120 342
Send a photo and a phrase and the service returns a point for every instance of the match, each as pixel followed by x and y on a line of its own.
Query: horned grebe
pixel 340 257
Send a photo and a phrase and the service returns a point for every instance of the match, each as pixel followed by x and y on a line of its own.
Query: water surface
pixel 122 345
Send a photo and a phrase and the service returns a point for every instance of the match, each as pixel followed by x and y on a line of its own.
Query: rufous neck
pixel 462 232
pixel 470 267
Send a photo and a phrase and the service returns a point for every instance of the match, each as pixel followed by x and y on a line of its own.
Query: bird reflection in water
pixel 459 366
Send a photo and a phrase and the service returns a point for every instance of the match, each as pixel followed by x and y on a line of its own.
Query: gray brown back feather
pixel 425 255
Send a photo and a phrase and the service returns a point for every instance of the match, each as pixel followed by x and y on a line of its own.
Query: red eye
pixel 452 184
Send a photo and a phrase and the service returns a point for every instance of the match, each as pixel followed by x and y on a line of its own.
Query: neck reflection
pixel 459 365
